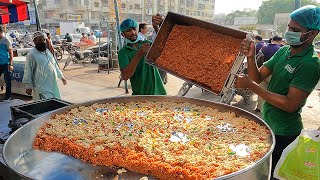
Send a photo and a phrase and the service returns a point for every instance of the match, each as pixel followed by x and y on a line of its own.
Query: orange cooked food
pixel 200 54
pixel 167 140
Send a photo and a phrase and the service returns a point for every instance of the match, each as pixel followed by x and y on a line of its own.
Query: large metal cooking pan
pixel 34 164
pixel 166 27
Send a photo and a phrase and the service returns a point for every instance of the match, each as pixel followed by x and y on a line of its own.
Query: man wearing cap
pixel 41 71
pixel 144 78
pixel 6 63
pixel 295 71
pixel 264 55
pixel 259 43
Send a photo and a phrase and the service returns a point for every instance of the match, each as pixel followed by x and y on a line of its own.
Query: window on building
pixel 104 3
pixel 57 1
pixel 96 4
pixel 123 6
pixel 86 2
pixel 188 3
pixel 44 2
pixel 203 14
pixel 201 6
pixel 137 6
pixel 182 3
pixel 48 15
pixel 131 7
pixel 70 2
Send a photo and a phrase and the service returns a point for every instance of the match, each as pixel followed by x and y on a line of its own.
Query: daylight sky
pixel 227 6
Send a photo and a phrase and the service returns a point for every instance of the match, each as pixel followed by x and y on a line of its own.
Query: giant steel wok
pixel 22 159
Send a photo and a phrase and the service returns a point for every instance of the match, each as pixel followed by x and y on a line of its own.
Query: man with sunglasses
pixel 145 79
pixel 295 71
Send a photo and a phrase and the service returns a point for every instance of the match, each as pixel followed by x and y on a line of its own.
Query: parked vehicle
pixel 97 33
pixel 83 58
pixel 75 37
pixel 57 52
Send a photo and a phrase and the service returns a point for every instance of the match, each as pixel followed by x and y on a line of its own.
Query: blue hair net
pixel 127 24
pixel 307 16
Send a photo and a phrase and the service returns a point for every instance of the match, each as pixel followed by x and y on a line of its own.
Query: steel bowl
pixel 22 159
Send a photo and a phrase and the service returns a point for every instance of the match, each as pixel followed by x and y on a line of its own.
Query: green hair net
pixel 307 16
pixel 127 24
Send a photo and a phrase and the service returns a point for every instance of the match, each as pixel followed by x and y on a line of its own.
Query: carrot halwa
pixel 200 54
pixel 167 140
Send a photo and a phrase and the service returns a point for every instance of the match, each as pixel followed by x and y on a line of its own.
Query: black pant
pixel 281 143
pixel 7 78
pixel 163 75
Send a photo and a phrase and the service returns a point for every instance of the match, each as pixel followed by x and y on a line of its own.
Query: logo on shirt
pixel 289 68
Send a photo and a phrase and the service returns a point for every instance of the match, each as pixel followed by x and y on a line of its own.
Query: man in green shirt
pixel 295 71
pixel 145 79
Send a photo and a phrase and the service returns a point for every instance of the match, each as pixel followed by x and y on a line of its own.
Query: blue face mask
pixel 293 38
pixel 128 41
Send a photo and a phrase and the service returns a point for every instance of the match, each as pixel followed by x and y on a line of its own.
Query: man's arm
pixel 156 21
pixel 11 58
pixel 27 75
pixel 59 73
pixel 50 47
pixel 128 71
pixel 289 103
pixel 257 75
pixel 305 78
pixel 9 47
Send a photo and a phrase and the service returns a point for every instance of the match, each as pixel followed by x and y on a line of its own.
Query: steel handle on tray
pixel 237 63
pixel 234 71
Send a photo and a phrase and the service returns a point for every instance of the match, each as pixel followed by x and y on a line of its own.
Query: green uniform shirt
pixel 301 71
pixel 146 79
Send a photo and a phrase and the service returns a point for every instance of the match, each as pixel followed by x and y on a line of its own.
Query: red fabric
pixel 15 2
pixel 18 11
pixel 22 11
pixel 5 18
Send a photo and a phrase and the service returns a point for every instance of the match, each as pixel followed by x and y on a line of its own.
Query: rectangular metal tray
pixel 166 27
pixel 34 109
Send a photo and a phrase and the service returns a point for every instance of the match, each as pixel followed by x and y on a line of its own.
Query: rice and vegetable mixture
pixel 164 139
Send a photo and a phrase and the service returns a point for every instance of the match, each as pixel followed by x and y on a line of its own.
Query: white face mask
pixel 293 38
pixel 128 41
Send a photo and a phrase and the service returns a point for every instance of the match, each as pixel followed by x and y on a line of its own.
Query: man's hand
pixel 64 81
pixel 157 19
pixel 243 81
pixel 10 68
pixel 144 49
pixel 248 48
pixel 29 91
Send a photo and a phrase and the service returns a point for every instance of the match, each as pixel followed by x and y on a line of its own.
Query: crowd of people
pixel 282 74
